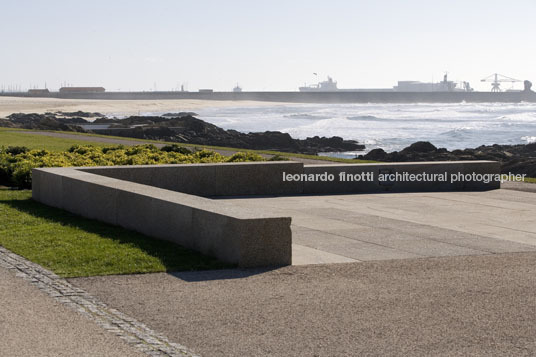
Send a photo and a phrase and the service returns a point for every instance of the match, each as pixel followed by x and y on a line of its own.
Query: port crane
pixel 496 79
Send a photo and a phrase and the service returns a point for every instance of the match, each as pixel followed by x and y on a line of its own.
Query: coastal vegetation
pixel 17 162
pixel 73 246
pixel 24 137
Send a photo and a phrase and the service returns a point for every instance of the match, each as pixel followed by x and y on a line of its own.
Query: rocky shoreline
pixel 183 127
pixel 179 127
pixel 517 159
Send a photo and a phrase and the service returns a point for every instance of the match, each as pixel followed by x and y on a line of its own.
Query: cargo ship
pixel 330 85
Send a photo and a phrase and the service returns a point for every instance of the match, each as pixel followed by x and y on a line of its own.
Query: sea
pixel 388 126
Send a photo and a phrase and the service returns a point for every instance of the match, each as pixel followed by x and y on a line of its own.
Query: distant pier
pixel 301 97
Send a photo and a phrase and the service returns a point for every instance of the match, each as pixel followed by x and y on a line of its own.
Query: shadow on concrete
pixel 224 274
pixel 172 256
pixel 527 187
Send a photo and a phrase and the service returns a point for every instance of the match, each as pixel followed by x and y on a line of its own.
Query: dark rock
pixel 517 159
pixel 421 146
pixel 80 114
pixel 376 155
pixel 180 114
pixel 183 127
pixel 42 122
pixel 520 166
pixel 195 131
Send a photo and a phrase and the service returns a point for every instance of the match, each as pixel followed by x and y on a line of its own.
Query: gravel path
pixel 455 306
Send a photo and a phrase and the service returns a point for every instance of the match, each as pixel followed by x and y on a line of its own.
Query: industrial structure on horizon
pixel 446 91
pixel 403 86
pixel 82 90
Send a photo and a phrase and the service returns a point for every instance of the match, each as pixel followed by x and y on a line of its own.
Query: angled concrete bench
pixel 156 208
pixel 171 201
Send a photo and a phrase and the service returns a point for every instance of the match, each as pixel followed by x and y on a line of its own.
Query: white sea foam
pixel 389 126
pixel 529 139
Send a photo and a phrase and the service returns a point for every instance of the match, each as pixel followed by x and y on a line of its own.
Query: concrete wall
pixel 446 168
pixel 207 180
pixel 232 234
pixel 266 178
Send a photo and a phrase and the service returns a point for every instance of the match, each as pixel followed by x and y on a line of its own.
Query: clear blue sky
pixel 263 45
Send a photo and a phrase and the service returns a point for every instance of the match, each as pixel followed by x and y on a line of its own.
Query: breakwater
pixel 307 97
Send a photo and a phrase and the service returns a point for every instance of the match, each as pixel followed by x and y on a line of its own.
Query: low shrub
pixel 278 158
pixel 176 148
pixel 16 163
pixel 244 156
pixel 15 150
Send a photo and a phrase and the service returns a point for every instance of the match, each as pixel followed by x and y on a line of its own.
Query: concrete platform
pixel 172 202
pixel 349 228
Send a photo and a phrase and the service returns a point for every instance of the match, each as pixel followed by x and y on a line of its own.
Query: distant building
pixel 82 90
pixel 206 91
pixel 38 92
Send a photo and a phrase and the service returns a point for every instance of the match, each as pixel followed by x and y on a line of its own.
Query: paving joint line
pixel 133 332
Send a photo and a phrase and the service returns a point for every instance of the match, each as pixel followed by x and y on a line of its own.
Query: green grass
pixel 73 246
pixel 10 137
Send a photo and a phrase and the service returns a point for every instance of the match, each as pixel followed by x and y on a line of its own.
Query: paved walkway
pixel 346 228
pixel 451 306
pixel 519 186
pixel 42 314
pixel 33 324
pixel 426 274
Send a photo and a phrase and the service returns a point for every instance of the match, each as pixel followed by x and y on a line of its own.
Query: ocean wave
pixel 306 116
pixel 366 117
pixel 529 139
pixel 389 126
pixel 524 117
pixel 458 133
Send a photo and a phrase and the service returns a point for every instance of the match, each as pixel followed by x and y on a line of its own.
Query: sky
pixel 262 45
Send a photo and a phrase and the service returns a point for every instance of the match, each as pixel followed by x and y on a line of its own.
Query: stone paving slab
pixel 406 225
pixel 519 186
pixel 303 255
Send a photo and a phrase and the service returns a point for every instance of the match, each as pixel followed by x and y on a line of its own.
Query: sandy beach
pixel 9 105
